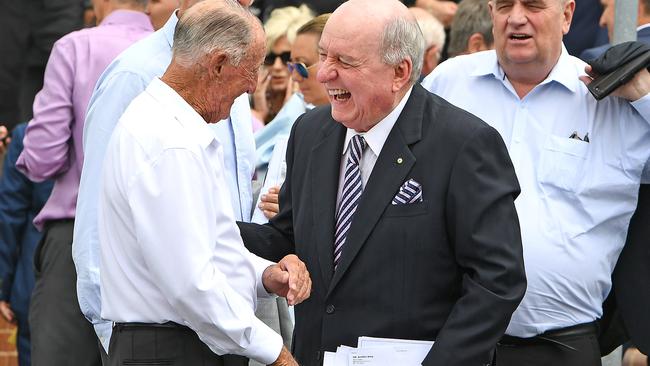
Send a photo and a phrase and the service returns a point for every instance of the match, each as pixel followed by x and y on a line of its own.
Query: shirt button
pixel 330 309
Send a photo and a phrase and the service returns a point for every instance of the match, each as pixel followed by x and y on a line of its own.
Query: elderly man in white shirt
pixel 176 278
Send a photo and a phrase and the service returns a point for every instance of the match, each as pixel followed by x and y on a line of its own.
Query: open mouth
pixel 519 37
pixel 339 95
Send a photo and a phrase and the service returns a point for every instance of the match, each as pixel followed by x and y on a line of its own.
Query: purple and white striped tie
pixel 352 189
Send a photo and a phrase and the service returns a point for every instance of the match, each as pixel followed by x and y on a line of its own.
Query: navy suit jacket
pixel 20 201
pixel 592 53
pixel 448 269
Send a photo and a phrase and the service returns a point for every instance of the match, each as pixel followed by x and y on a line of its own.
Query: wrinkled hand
pixel 7 313
pixel 269 202
pixel 636 88
pixel 4 139
pixel 285 359
pixel 260 105
pixel 288 278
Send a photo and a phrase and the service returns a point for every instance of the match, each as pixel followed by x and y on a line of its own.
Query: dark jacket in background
pixel 20 201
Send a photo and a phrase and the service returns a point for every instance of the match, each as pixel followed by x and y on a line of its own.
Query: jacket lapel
pixel 389 173
pixel 324 172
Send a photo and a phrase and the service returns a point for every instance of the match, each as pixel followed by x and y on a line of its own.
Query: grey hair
pixel 433 32
pixel 213 25
pixel 472 16
pixel 402 39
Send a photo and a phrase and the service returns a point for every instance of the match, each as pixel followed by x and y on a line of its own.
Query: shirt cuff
pixel 259 265
pixel 265 345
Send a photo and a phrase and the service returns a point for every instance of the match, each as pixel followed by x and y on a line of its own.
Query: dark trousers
pixel 60 334
pixel 572 346
pixel 163 344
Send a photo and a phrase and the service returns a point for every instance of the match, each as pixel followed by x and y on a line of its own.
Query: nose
pixel 517 15
pixel 277 63
pixel 326 72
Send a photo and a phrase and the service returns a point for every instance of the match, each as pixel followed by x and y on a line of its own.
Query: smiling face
pixel 305 50
pixel 361 87
pixel 529 32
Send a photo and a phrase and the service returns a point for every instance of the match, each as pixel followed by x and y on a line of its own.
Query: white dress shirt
pixel 124 79
pixel 375 138
pixel 577 197
pixel 170 248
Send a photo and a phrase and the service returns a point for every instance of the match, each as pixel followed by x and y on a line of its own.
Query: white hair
pixel 213 25
pixel 402 39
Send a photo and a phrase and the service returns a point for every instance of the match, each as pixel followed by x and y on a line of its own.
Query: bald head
pixel 389 24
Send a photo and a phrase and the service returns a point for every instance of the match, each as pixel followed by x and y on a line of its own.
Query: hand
pixel 269 203
pixel 633 90
pixel 288 278
pixel 4 139
pixel 633 357
pixel 260 104
pixel 443 10
pixel 7 313
pixel 285 359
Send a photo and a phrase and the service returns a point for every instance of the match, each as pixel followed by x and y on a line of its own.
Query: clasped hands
pixel 288 278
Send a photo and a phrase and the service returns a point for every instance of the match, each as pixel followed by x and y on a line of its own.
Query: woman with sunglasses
pixel 274 87
pixel 303 68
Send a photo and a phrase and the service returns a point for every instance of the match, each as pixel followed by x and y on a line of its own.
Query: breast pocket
pixel 409 209
pixel 562 163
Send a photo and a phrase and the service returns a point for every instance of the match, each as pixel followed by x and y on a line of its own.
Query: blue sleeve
pixel 15 199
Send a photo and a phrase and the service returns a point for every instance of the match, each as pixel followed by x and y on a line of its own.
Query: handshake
pixel 288 278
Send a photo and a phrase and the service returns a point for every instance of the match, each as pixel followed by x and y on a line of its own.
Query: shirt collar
pixel 564 72
pixel 377 135
pixel 169 28
pixel 182 112
pixel 642 26
pixel 136 19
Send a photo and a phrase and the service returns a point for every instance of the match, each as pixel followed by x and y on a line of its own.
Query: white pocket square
pixel 409 192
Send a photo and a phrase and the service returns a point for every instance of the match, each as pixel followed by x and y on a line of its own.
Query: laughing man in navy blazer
pixel 400 204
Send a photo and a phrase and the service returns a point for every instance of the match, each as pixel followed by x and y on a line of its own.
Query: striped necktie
pixel 352 189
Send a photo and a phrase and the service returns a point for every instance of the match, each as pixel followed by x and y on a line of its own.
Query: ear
pixel 431 57
pixel 568 10
pixel 215 64
pixel 476 43
pixel 403 72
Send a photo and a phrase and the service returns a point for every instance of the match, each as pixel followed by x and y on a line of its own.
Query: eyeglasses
pixel 300 68
pixel 270 58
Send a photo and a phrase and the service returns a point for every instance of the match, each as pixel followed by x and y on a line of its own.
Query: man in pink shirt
pixel 53 150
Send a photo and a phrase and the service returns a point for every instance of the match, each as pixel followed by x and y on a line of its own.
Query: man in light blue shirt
pixel 579 163
pixel 124 79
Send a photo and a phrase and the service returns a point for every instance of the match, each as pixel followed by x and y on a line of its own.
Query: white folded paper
pixel 379 352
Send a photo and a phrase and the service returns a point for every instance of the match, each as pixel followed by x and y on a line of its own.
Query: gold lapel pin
pixel 400 160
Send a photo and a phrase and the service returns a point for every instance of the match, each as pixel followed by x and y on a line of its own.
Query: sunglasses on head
pixel 270 58
pixel 300 68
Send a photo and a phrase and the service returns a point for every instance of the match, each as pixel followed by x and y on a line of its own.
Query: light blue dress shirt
pixel 279 127
pixel 577 197
pixel 125 78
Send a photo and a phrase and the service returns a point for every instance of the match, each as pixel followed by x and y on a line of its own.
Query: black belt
pixel 135 325
pixel 554 336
